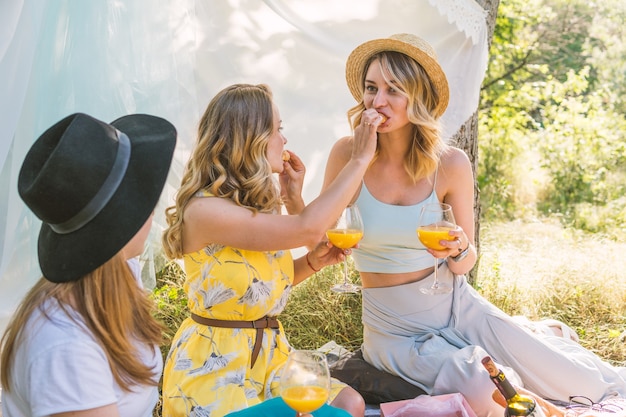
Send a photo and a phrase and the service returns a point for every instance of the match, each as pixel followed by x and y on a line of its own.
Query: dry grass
pixel 542 270
pixel 316 315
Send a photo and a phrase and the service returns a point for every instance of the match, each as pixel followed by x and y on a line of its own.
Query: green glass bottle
pixel 517 405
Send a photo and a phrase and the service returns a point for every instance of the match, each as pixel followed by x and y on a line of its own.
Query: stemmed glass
pixel 346 233
pixel 305 381
pixel 434 224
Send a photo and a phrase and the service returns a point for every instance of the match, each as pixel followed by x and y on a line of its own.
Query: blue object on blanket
pixel 276 407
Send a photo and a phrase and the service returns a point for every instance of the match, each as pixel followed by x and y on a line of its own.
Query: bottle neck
pixel 517 405
pixel 504 386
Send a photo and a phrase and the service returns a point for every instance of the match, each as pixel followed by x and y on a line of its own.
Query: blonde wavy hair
pixel 113 308
pixel 229 159
pixel 408 77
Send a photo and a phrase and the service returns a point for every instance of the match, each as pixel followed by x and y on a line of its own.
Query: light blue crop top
pixel 390 244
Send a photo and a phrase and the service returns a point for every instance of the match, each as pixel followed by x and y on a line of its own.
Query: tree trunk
pixel 467 136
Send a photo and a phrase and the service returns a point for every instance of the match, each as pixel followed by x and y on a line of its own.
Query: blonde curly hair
pixel 411 80
pixel 229 159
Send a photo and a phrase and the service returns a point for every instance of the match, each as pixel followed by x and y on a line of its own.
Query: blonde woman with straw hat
pixel 436 341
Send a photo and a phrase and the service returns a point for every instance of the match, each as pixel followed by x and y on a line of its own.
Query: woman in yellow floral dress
pixel 228 228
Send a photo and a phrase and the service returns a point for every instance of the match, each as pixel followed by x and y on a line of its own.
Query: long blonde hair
pixel 410 79
pixel 229 159
pixel 113 308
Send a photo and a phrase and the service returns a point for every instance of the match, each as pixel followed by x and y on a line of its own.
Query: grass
pixel 541 270
pixel 537 269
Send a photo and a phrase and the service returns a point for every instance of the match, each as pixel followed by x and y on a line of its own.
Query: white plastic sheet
pixel 169 57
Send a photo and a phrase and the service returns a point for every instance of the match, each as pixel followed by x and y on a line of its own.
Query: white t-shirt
pixel 59 367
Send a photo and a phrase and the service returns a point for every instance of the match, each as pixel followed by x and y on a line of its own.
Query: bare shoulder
pixel 455 161
pixel 209 220
pixel 342 148
pixel 339 156
pixel 207 209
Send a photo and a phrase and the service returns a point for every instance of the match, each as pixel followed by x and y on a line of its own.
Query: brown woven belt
pixel 260 324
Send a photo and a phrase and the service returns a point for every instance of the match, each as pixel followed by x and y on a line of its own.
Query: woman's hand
pixel 291 181
pixel 324 254
pixel 365 137
pixel 456 244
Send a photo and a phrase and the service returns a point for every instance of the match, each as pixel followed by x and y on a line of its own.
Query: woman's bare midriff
pixel 378 280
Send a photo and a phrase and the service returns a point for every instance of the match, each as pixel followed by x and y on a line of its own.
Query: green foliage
pixel 551 126
pixel 610 53
pixel 501 136
pixel 170 300
pixel 583 151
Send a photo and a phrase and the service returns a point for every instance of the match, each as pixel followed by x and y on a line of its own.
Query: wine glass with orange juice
pixel 346 233
pixel 305 381
pixel 435 222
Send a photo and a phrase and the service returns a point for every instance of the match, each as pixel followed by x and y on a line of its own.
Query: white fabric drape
pixel 169 57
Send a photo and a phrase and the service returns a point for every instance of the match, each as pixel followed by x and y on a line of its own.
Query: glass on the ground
pixel 305 381
pixel 434 224
pixel 346 233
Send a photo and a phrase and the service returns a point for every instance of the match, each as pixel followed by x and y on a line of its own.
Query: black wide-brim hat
pixel 93 185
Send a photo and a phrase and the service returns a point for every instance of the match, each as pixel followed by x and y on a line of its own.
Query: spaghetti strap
pixel 435 179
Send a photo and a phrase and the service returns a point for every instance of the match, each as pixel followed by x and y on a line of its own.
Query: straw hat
pixel 93 185
pixel 408 44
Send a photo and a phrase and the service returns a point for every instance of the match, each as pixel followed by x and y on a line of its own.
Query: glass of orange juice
pixel 347 232
pixel 434 225
pixel 305 381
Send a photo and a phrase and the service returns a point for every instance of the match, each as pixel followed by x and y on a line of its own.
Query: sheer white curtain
pixel 169 57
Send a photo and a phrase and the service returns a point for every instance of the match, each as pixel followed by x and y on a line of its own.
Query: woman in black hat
pixel 227 227
pixel 83 342
pixel 436 341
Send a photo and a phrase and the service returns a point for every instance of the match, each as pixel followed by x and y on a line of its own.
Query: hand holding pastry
pixel 291 181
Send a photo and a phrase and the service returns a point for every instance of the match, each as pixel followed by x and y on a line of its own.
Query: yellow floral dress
pixel 207 370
